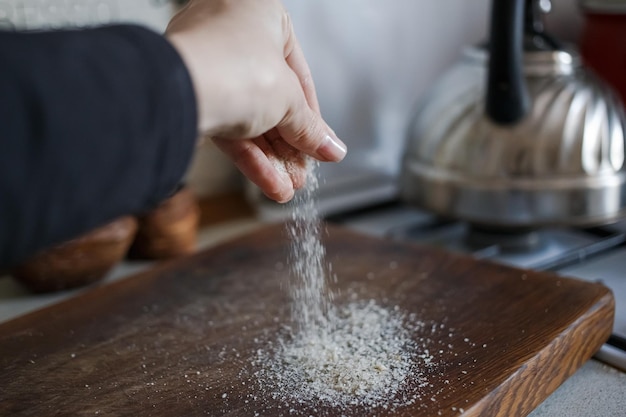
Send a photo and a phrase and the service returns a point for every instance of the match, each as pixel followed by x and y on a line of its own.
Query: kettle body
pixel 561 162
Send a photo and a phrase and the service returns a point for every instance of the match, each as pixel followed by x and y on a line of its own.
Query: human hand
pixel 255 93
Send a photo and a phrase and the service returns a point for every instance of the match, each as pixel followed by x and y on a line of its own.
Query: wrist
pixel 202 78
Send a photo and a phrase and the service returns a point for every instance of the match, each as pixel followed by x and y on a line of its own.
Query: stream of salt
pixel 311 298
pixel 355 354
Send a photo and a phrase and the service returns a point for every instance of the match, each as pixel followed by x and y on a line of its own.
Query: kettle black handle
pixel 507 99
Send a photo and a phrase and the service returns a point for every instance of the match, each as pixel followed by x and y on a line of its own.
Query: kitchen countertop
pixel 594 390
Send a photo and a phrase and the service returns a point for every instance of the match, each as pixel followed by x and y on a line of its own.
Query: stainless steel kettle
pixel 518 134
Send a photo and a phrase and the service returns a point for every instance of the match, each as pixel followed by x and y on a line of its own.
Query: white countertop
pixel 595 390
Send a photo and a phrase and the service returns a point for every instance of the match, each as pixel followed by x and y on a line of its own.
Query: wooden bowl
pixel 170 230
pixel 80 261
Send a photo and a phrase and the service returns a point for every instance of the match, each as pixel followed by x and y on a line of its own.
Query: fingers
pixel 297 62
pixel 257 160
pixel 304 129
pixel 286 157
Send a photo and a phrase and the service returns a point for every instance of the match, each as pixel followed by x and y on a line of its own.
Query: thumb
pixel 304 129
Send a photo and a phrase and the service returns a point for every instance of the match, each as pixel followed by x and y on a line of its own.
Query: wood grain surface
pixel 178 340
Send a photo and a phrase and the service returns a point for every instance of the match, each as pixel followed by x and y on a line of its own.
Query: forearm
pixel 93 124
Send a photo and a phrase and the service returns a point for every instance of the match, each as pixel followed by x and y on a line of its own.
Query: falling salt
pixel 356 354
pixel 308 289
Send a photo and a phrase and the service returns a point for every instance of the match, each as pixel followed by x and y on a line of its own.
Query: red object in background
pixel 603 46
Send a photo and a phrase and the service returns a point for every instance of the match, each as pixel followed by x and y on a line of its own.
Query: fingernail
pixel 285 198
pixel 333 149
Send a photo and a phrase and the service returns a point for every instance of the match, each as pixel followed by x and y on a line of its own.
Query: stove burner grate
pixel 540 249
pixel 478 237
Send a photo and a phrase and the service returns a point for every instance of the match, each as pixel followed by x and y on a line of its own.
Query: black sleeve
pixel 94 124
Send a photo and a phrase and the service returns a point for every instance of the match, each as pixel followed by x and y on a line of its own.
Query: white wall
pixel 372 59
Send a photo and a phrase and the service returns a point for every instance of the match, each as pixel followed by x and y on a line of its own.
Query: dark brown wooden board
pixel 174 340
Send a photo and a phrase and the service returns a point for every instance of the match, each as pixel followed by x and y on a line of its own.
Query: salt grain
pixel 357 354
pixel 308 288
pixel 363 357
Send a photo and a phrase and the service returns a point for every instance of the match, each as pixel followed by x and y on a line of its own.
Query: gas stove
pixel 593 254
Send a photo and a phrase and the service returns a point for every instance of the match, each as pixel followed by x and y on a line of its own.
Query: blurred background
pixel 371 61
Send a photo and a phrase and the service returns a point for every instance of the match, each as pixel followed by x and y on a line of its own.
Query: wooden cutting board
pixel 177 340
